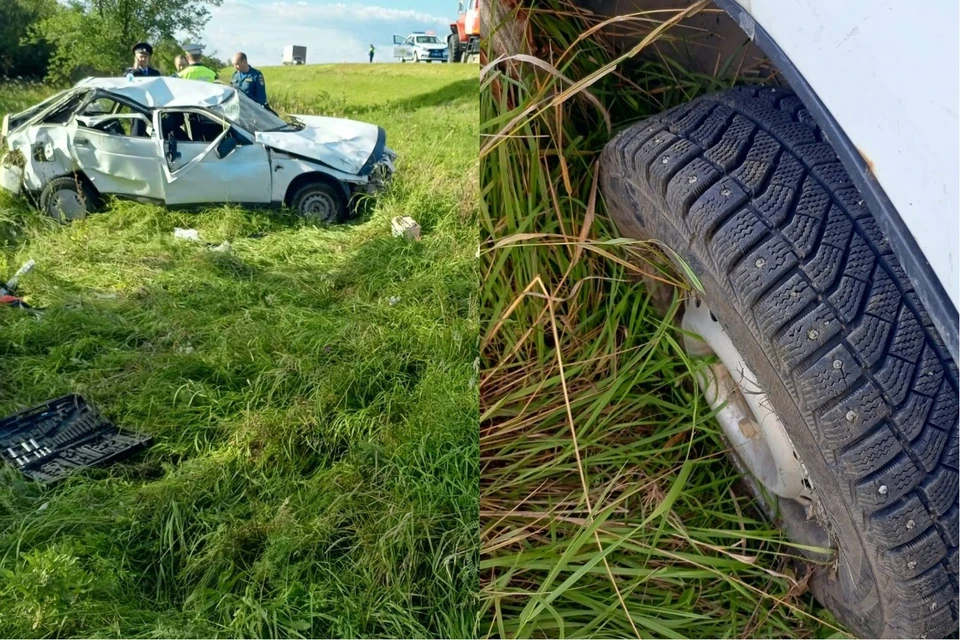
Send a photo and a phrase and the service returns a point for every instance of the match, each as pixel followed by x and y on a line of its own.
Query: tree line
pixel 58 43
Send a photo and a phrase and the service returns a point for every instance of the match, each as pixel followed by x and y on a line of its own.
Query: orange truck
pixel 463 43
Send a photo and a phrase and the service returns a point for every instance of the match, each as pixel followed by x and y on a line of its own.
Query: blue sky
pixel 332 31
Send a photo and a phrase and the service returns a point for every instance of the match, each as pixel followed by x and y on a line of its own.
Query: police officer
pixel 248 80
pixel 372 50
pixel 180 62
pixel 141 62
pixel 195 70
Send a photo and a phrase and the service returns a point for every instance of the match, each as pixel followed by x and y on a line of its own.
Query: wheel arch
pixel 312 177
pixel 78 175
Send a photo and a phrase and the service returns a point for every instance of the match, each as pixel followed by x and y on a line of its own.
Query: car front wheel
pixel 830 380
pixel 319 202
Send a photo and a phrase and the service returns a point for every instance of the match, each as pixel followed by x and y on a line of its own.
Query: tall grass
pixel 311 394
pixel 608 508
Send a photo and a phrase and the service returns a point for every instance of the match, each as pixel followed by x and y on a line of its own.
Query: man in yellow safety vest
pixel 195 70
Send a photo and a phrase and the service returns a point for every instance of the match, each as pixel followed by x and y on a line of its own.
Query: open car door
pixel 205 159
pixel 401 49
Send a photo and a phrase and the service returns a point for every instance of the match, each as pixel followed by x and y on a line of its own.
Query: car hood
pixel 432 46
pixel 345 145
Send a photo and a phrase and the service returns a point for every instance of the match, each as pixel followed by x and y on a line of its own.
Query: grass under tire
pixel 608 508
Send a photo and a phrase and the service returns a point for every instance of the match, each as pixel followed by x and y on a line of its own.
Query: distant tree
pixel 96 36
pixel 16 17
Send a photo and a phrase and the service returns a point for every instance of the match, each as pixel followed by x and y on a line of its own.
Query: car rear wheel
pixel 319 202
pixel 832 383
pixel 68 198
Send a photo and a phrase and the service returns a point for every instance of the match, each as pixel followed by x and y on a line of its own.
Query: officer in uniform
pixel 141 62
pixel 180 62
pixel 248 80
pixel 195 70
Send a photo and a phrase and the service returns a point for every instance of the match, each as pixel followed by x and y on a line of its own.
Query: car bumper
pixel 382 174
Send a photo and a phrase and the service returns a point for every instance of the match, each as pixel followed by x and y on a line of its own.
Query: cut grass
pixel 608 508
pixel 311 394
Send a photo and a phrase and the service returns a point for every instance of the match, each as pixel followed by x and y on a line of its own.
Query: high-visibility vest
pixel 198 72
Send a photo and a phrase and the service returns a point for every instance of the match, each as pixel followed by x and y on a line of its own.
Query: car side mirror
pixel 170 147
pixel 226 146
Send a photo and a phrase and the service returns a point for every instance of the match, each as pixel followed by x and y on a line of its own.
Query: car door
pixel 207 160
pixel 112 144
pixel 401 50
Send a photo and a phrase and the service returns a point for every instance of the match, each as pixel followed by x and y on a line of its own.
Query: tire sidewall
pixel 856 580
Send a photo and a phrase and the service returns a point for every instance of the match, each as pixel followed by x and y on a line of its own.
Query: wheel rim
pixel 319 206
pixel 760 441
pixel 67 204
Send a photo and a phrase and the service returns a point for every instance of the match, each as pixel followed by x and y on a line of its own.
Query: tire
pixel 68 198
pixel 453 48
pixel 744 188
pixel 320 203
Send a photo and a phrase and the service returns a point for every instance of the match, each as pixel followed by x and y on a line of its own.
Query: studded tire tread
pixel 742 185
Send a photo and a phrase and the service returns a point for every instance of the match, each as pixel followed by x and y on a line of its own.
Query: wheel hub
pixel 748 419
pixel 318 205
pixel 68 204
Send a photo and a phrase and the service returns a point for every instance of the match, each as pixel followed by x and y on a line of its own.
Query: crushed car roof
pixel 163 91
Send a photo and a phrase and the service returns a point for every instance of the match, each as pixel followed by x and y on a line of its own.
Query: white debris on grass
pixel 393 300
pixel 405 227
pixel 187 234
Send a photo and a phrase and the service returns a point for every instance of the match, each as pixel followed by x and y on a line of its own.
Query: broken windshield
pixel 249 115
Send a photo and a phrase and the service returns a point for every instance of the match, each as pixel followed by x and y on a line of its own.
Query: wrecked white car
pixel 186 143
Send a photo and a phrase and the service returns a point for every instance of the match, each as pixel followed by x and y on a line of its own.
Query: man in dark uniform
pixel 248 80
pixel 141 62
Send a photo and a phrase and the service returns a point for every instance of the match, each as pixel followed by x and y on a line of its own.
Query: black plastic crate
pixel 54 439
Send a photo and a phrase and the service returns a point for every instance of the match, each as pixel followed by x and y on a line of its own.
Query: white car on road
pixel 420 47
pixel 186 143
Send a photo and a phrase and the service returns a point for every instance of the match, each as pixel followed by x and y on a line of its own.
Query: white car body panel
pixel 117 164
pixel 285 169
pixel 887 71
pixel 244 179
pixel 199 176
pixel 164 92
pixel 342 144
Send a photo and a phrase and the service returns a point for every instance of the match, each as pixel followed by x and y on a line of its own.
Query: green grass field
pixel 311 394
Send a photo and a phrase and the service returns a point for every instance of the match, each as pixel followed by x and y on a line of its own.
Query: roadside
pixel 310 392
